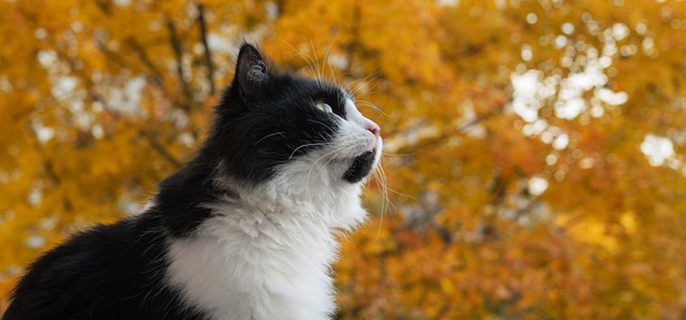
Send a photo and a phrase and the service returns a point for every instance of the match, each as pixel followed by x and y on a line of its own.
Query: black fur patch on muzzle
pixel 360 167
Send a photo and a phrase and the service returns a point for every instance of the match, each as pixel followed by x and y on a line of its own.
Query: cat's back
pixel 108 272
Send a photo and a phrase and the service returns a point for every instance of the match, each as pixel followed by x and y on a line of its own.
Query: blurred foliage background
pixel 534 149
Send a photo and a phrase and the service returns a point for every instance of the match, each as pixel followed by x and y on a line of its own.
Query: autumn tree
pixel 533 162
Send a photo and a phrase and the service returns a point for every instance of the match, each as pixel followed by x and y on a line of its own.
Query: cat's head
pixel 284 127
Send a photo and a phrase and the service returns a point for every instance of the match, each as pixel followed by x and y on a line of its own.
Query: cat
pixel 246 230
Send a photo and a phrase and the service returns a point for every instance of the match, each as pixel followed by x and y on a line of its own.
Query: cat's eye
pixel 323 106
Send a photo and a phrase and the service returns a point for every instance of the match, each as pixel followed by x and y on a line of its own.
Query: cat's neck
pixel 255 251
pixel 263 252
pixel 311 197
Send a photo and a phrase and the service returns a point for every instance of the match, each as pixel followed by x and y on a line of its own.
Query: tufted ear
pixel 251 73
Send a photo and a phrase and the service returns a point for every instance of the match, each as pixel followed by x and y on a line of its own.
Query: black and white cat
pixel 243 231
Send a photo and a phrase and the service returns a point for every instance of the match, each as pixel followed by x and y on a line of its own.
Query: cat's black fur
pixel 109 272
pixel 117 271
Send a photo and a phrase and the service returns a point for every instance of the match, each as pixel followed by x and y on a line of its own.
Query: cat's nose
pixel 374 129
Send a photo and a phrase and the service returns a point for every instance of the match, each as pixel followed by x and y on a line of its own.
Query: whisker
pixel 356 87
pixel 392 154
pixel 337 151
pixel 310 63
pixel 269 135
pixel 309 172
pixel 303 146
pixel 316 59
pixel 372 106
pixel 386 204
pixel 386 188
pixel 402 194
pixel 383 206
pixel 326 61
pixel 358 83
pixel 322 123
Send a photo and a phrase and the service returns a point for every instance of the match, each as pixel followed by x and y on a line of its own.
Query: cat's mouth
pixel 360 167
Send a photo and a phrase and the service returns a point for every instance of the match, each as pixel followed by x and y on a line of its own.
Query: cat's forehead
pixel 320 88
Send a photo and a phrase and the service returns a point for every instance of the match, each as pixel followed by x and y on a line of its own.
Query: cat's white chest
pixel 252 267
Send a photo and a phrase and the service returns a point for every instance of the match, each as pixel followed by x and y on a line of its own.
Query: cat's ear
pixel 251 73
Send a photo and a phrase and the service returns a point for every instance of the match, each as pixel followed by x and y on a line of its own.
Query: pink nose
pixel 374 129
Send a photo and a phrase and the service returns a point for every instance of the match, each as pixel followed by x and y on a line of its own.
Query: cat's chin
pixel 360 167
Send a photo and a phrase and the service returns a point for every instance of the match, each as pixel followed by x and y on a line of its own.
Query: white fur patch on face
pixel 319 173
pixel 358 128
pixel 353 115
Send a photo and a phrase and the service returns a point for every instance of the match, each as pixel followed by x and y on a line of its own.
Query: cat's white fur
pixel 267 253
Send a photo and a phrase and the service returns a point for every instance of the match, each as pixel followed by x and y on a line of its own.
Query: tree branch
pixel 280 6
pixel 178 57
pixel 162 150
pixel 111 54
pixel 156 75
pixel 147 134
pixel 104 6
pixel 355 31
pixel 203 37
pixel 438 139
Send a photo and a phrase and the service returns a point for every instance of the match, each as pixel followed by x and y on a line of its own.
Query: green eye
pixel 323 106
